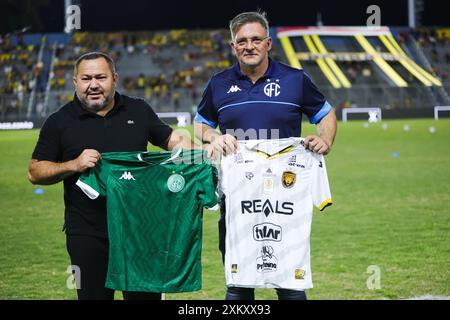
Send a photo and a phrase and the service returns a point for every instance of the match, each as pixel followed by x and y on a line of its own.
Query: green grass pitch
pixel 391 192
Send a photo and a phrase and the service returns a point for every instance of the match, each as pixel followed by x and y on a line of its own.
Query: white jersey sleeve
pixel 320 188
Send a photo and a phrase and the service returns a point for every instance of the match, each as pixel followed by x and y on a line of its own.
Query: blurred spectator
pixel 141 81
pixel 366 72
pixel 176 100
pixel 434 55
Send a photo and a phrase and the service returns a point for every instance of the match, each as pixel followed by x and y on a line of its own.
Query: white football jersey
pixel 270 187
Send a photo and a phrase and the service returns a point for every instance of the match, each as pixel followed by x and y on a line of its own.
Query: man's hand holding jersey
pixel 86 160
pixel 221 144
pixel 317 144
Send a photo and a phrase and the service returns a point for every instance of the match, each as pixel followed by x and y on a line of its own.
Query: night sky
pixel 103 15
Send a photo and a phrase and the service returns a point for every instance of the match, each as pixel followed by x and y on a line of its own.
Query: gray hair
pixel 248 17
pixel 95 55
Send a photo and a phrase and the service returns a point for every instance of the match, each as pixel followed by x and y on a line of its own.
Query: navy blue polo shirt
pixel 275 102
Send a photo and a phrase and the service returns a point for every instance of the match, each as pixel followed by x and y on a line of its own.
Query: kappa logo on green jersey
pixel 127 176
pixel 175 183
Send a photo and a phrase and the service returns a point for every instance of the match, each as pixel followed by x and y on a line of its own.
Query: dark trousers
pixel 237 293
pixel 90 255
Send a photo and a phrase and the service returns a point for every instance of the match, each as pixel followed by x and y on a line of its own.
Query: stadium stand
pixel 166 68
pixel 19 68
pixel 354 66
pixel 363 67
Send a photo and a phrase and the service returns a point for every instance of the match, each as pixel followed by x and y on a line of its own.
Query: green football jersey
pixel 154 213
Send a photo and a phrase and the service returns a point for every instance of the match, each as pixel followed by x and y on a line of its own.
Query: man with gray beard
pixel 71 141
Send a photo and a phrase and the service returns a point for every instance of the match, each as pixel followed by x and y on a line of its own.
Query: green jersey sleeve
pixel 93 182
pixel 208 196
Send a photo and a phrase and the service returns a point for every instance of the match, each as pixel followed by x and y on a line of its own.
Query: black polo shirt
pixel 129 126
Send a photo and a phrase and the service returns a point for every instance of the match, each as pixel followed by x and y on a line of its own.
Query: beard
pixel 97 105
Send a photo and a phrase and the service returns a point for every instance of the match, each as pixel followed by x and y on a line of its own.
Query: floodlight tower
pixel 67 4
pixel 415 9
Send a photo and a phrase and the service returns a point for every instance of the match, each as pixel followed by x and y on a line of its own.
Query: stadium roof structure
pixel 326 60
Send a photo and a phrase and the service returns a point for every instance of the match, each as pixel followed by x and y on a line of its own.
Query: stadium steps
pixel 440 95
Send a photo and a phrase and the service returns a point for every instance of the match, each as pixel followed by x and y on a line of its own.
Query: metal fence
pixel 13 107
pixel 382 96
